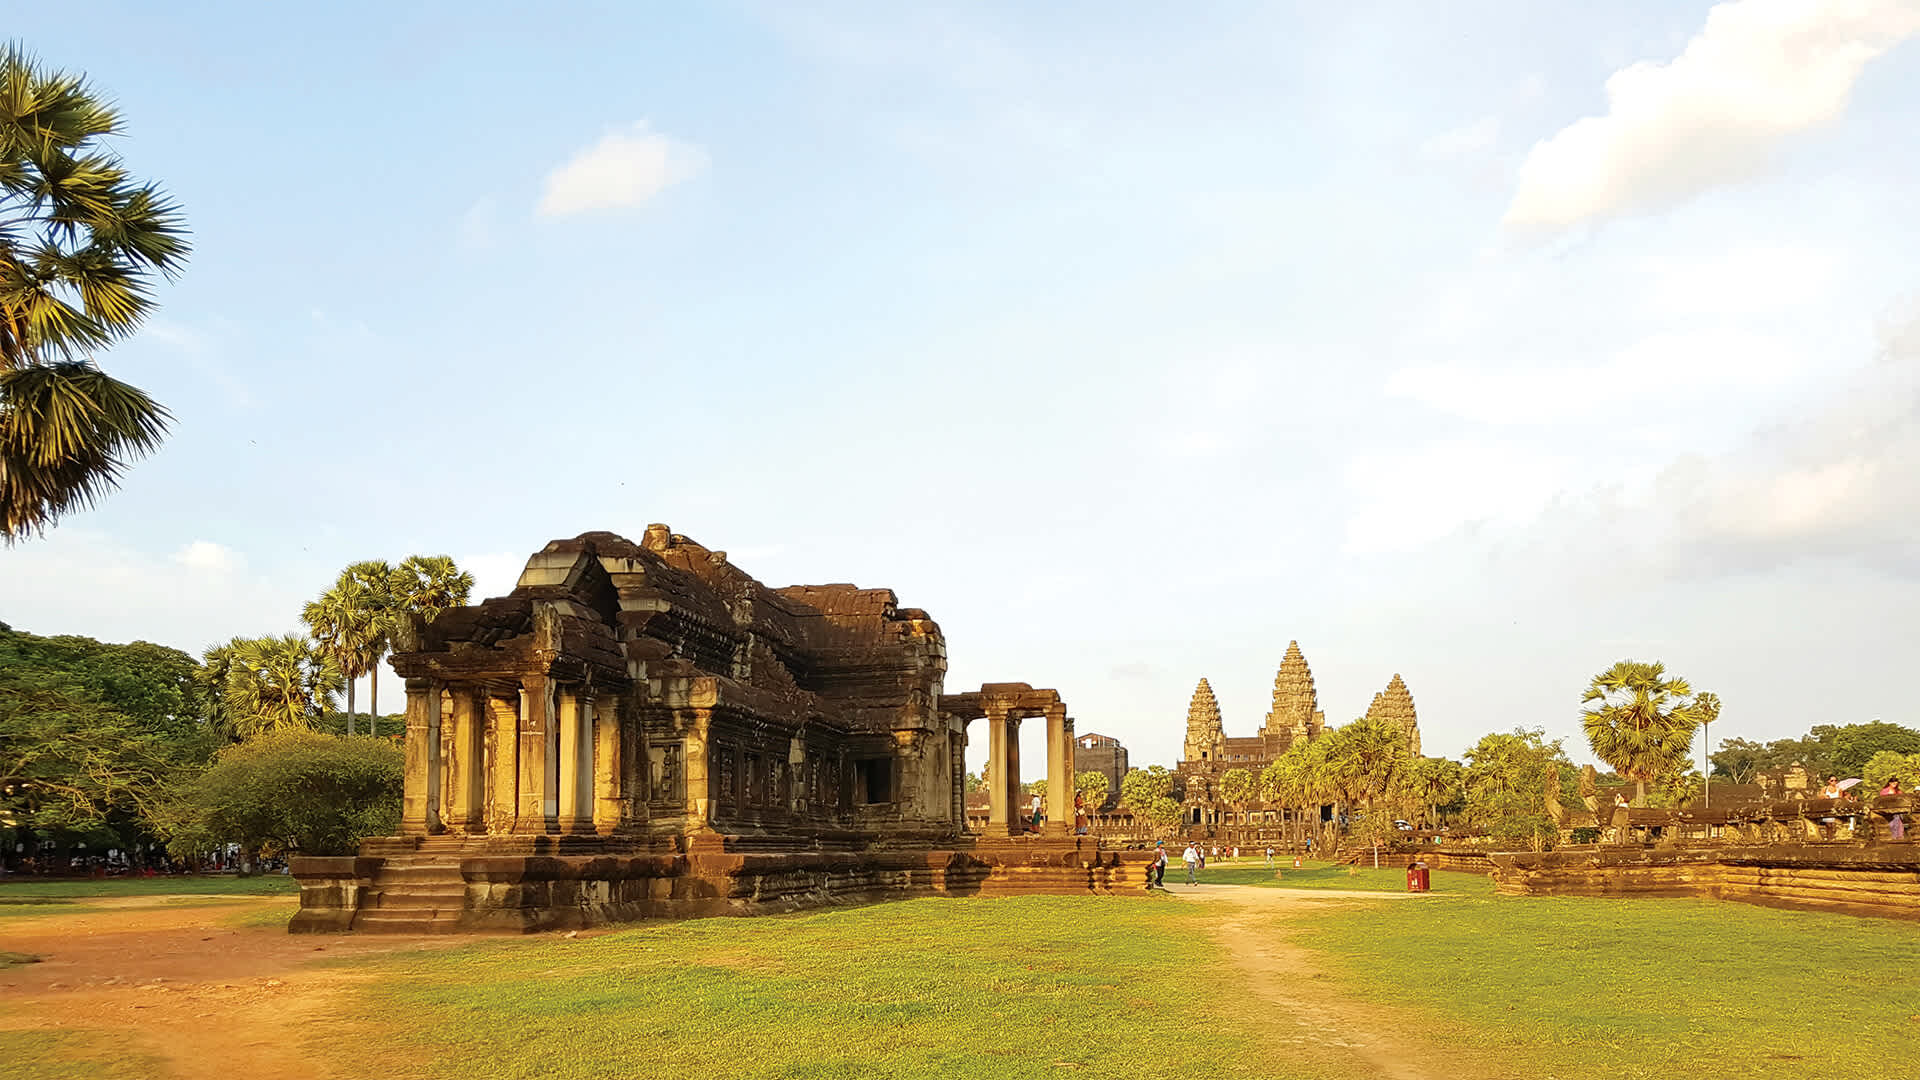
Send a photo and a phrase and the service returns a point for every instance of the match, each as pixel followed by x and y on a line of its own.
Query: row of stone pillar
pixel 556 765
pixel 1003 771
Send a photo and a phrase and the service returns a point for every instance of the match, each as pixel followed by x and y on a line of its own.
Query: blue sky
pixel 1484 343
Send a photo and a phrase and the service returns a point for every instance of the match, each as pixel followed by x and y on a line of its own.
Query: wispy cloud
pixel 1760 72
pixel 624 169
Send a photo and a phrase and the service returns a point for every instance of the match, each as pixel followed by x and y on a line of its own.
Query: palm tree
pixel 1640 721
pixel 429 584
pixel 1709 705
pixel 278 684
pixel 371 581
pixel 1436 782
pixel 80 243
pixel 342 622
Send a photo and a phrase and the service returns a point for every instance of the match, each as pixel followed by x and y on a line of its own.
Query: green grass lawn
pixel 34 890
pixel 1326 875
pixel 72 1055
pixel 1578 987
pixel 997 988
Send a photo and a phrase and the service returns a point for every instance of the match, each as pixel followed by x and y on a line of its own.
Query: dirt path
pixel 177 979
pixel 1256 930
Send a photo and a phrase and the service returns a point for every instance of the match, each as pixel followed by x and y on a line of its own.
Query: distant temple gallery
pixel 644 729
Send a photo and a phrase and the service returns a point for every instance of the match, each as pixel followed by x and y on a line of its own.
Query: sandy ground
pixel 173 978
pixel 1256 930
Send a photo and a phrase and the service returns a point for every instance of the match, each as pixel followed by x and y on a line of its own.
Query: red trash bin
pixel 1417 877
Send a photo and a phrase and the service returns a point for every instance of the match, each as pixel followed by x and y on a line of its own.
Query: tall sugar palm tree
pixel 1641 721
pixel 371 581
pixel 279 684
pixel 1708 703
pixel 81 242
pixel 429 584
pixel 342 623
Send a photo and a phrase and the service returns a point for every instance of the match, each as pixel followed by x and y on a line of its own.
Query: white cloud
pixel 207 555
pixel 1740 281
pixel 1668 370
pixel 1758 73
pixel 1407 499
pixel 625 168
pixel 77 581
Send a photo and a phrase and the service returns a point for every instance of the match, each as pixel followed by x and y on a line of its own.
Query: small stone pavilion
pixel 643 729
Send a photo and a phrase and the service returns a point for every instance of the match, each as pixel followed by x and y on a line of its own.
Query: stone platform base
pixel 1871 879
pixel 525 884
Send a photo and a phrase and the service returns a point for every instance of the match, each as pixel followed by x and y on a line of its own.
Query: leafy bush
pixel 290 791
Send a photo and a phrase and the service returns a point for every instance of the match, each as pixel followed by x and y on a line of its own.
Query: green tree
pixel 1035 787
pixel 1640 721
pixel 371 581
pixel 426 585
pixel 1850 746
pixel 90 733
pixel 1506 780
pixel 81 241
pixel 289 791
pixel 1238 787
pixel 975 782
pixel 342 623
pixel 1092 787
pixel 1140 787
pixel 277 684
pixel 1891 765
pixel 1436 782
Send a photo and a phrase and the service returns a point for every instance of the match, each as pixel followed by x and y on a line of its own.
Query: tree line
pixel 143 747
pixel 1638 718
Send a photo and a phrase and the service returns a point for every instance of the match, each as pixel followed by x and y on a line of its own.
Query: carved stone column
pixel 576 762
pixel 1059 772
pixel 609 768
pixel 503 713
pixel 420 786
pixel 999 820
pixel 538 811
pixel 466 780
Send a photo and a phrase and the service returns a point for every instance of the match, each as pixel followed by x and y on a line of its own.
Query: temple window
pixel 664 762
pixel 873 780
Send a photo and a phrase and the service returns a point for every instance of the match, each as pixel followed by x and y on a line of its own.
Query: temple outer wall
pixel 1875 879
pixel 527 894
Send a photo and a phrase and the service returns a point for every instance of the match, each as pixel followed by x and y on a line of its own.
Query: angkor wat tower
pixel 1296 711
pixel 1206 738
pixel 1395 704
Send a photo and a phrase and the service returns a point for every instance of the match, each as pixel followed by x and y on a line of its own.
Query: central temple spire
pixel 1296 711
pixel 1206 738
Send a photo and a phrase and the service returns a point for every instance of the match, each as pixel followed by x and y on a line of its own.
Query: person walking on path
pixel 1269 856
pixel 1192 859
pixel 1157 869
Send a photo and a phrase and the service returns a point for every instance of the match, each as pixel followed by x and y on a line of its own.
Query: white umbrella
pixel 1845 784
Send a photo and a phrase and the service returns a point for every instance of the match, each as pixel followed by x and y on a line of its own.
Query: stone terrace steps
pixel 415 894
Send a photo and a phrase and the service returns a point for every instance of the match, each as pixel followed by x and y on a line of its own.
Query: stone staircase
pixel 419 892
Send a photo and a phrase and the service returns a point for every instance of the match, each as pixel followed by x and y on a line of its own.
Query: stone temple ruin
pixel 643 729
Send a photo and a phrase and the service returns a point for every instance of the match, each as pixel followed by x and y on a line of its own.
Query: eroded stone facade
pixel 575 748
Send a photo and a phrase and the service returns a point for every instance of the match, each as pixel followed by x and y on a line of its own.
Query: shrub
pixel 290 791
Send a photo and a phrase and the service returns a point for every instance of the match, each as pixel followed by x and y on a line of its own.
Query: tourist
pixel 1192 859
pixel 1236 853
pixel 1269 856
pixel 1157 869
pixel 1897 824
pixel 1832 790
